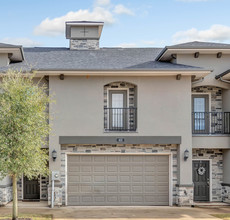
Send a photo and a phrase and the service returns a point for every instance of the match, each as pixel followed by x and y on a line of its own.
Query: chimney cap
pixel 85 22
pixel 74 24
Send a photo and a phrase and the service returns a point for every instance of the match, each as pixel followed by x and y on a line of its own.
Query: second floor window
pixel 118 109
pixel 200 109
pixel 120 112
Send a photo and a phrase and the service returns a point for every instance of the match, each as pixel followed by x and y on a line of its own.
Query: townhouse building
pixel 131 126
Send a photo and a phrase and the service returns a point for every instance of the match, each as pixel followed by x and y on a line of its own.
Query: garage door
pixel 118 180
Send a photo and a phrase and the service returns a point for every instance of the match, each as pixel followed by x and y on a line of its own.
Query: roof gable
pixel 192 47
pixel 200 45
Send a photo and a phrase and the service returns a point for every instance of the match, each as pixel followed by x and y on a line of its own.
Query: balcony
pixel 211 123
pixel 120 119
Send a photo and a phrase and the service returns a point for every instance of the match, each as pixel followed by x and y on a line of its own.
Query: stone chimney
pixel 84 35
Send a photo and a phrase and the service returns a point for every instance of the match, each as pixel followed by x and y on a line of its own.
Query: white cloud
pixel 26 42
pixel 217 32
pixel 103 2
pixel 102 10
pixel 127 45
pixel 56 26
pixel 121 9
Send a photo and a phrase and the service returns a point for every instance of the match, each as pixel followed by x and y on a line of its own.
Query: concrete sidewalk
pixel 121 213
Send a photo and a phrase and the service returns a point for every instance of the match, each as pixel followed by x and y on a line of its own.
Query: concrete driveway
pixel 121 213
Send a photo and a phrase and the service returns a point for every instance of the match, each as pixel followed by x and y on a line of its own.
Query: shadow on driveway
pixel 134 212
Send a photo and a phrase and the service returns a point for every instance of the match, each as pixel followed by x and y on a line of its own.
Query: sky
pixel 128 23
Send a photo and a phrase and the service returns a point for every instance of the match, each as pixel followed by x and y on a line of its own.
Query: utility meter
pixel 55 175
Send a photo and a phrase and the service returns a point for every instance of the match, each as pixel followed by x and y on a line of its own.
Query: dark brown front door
pixel 201 180
pixel 31 189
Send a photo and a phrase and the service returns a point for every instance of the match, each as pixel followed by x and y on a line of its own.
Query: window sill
pixel 122 132
pixel 211 135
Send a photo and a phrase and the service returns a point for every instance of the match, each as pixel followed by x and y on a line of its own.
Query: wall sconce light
pixel 61 76
pixel 186 154
pixel 54 155
pixel 196 55
pixel 173 56
pixel 178 76
pixel 219 55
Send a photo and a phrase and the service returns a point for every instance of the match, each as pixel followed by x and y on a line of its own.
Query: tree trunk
pixel 15 198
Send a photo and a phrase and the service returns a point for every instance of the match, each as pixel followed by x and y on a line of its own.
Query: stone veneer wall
pixel 216 156
pixel 6 195
pixel 19 188
pixel 44 187
pixel 226 193
pixel 124 85
pixel 216 96
pixel 84 44
pixel 58 189
pixel 128 148
pixel 184 195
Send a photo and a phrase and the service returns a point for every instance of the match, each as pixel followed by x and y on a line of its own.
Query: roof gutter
pixel 22 52
pixel 161 54
pixel 224 80
pixel 198 81
pixel 222 74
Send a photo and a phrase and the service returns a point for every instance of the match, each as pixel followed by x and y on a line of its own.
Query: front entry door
pixel 31 189
pixel 201 180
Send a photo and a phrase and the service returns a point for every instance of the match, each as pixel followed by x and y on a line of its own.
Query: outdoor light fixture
pixel 173 56
pixel 178 76
pixel 219 55
pixel 62 77
pixel 196 55
pixel 54 155
pixel 186 154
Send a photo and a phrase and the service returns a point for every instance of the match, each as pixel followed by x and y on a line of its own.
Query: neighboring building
pixel 132 126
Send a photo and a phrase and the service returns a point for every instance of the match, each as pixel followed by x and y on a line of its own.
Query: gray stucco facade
pixel 120 101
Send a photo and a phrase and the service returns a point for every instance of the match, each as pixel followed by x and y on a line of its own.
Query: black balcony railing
pixel 120 119
pixel 211 123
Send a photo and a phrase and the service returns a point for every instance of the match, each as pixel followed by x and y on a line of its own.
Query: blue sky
pixel 128 23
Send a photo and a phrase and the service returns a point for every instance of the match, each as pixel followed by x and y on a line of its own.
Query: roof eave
pixel 133 72
pixel 189 50
pixel 161 54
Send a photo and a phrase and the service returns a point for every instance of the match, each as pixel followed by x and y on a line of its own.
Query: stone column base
pixel 226 192
pixel 184 195
pixel 58 188
pixel 6 194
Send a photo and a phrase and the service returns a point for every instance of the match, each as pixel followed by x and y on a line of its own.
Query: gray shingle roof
pixel 2 45
pixel 163 65
pixel 103 59
pixel 200 45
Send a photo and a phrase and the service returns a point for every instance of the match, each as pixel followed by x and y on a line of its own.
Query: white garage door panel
pixel 118 180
